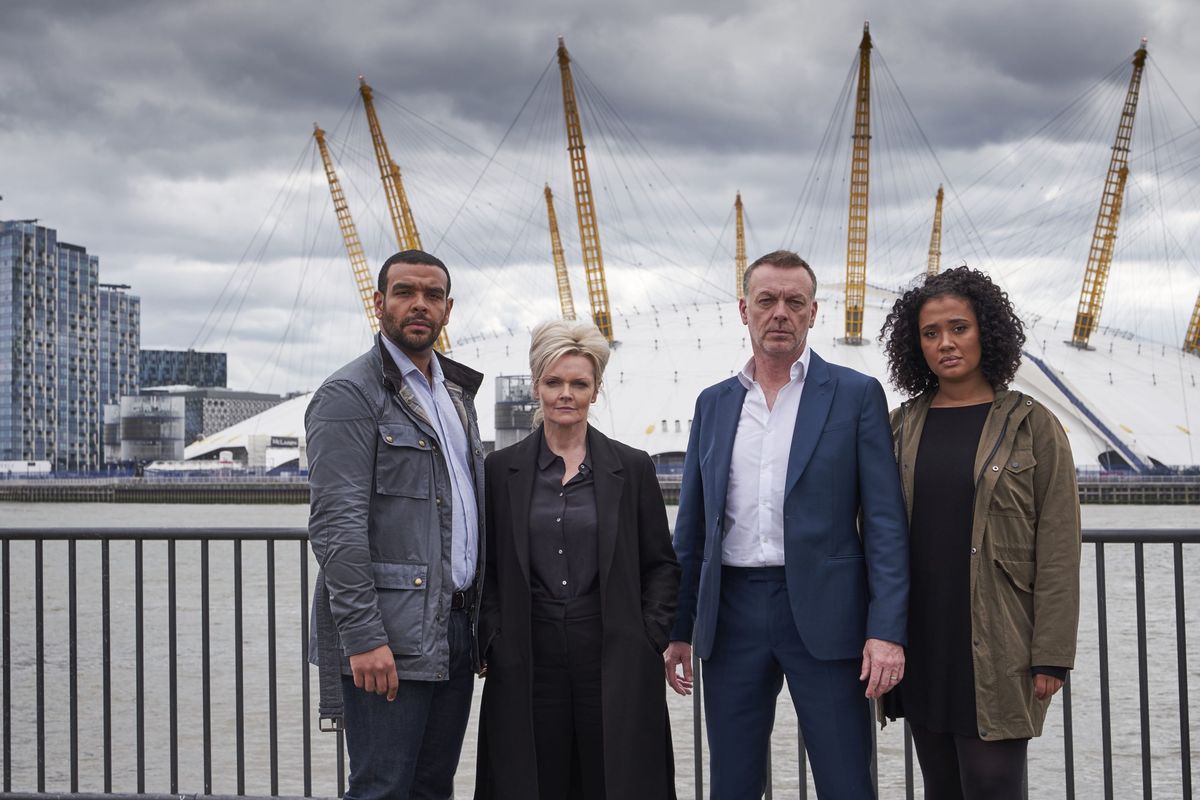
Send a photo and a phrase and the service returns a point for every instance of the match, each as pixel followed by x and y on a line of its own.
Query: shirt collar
pixel 799 369
pixel 407 367
pixel 546 456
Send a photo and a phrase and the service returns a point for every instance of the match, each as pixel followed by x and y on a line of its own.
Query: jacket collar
pixel 455 373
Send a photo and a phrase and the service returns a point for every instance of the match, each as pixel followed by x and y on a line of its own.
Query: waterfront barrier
pixel 1096 488
pixel 108 636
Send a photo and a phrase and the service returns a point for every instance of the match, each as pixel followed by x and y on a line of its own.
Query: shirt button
pixel 560 552
pixel 973 551
pixel 560 494
pixel 564 583
pixel 558 519
pixel 388 439
pixel 995 468
pixel 438 501
pixel 417 581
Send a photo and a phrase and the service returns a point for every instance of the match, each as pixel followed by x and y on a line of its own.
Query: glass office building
pixel 54 342
pixel 182 368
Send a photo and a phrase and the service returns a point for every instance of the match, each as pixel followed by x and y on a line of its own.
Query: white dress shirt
pixel 443 416
pixel 758 471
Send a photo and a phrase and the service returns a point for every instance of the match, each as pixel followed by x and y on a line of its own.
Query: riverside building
pixel 182 368
pixel 71 344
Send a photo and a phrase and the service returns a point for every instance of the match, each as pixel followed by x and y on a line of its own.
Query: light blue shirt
pixel 447 426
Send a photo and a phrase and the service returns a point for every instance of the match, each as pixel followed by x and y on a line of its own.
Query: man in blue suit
pixel 794 547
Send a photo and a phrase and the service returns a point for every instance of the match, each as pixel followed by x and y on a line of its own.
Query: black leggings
pixel 967 768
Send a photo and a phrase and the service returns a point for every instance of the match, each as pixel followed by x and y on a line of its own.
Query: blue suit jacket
pixel 845 529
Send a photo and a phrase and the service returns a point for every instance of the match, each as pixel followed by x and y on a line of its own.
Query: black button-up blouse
pixel 563 552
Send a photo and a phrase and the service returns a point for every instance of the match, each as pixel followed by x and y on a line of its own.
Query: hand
pixel 375 671
pixel 882 667
pixel 679 654
pixel 1046 686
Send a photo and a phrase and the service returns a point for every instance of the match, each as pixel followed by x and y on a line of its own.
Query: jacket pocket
pixel 401 589
pixel 1013 493
pixel 403 466
pixel 1020 574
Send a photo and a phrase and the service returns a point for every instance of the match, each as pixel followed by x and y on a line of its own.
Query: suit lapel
pixel 520 492
pixel 728 412
pixel 815 402
pixel 608 482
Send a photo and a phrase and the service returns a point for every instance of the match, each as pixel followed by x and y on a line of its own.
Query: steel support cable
pixel 199 337
pixel 492 158
pixel 634 137
pixel 601 122
pixel 283 190
pixel 1066 124
pixel 520 201
pixel 836 124
pixel 818 191
pixel 886 70
pixel 256 265
pixel 1053 233
pixel 1167 259
pixel 712 259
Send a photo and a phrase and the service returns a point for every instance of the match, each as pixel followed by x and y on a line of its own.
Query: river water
pixel 1046 754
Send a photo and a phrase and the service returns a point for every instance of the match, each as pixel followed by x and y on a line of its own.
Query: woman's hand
pixel 1046 686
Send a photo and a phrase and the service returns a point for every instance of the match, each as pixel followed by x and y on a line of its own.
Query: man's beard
pixel 407 341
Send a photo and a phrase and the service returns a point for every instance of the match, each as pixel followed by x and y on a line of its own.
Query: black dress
pixel 938 691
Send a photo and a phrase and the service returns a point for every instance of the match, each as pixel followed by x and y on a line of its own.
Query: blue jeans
pixel 408 749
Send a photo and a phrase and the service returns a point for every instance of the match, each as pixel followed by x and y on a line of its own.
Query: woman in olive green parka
pixel 989 483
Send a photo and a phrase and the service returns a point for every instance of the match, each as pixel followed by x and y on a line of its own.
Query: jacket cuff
pixel 1053 672
pixel 363 639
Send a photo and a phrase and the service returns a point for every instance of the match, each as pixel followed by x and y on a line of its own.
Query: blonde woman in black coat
pixel 578 598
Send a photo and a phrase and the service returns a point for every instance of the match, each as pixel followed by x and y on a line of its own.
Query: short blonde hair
pixel 557 338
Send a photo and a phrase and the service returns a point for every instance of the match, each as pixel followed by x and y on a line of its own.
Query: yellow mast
pixel 1104 236
pixel 1192 343
pixel 403 224
pixel 739 258
pixel 560 261
pixel 935 238
pixel 585 206
pixel 354 249
pixel 856 232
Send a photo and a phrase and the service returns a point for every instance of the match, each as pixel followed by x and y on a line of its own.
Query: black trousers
pixel 567 715
pixel 968 768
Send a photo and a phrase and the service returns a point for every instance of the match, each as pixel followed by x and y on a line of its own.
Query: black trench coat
pixel 639 580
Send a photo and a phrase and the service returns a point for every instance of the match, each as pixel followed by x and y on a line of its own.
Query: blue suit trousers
pixel 756 647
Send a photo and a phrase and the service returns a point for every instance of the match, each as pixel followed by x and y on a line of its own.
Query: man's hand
pixel 375 671
pixel 1046 686
pixel 679 654
pixel 882 667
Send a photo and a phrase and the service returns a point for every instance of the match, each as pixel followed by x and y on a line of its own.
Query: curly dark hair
pixel 1001 333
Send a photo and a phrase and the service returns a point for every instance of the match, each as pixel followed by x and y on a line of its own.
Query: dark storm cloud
pixel 159 134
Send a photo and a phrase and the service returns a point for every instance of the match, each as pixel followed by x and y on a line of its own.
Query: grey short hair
pixel 779 258
pixel 557 338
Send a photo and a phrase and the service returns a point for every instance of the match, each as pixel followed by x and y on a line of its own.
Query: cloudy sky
pixel 173 140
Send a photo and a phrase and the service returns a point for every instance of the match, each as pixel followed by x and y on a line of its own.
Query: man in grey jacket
pixel 396 477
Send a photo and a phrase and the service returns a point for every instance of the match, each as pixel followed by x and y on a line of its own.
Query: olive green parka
pixel 1025 544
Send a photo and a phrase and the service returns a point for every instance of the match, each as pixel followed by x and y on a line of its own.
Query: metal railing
pixel 91 607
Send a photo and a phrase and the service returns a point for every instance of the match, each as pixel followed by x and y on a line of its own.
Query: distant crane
pixel 935 237
pixel 1104 236
pixel 739 256
pixel 856 230
pixel 354 248
pixel 585 205
pixel 403 223
pixel 565 300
